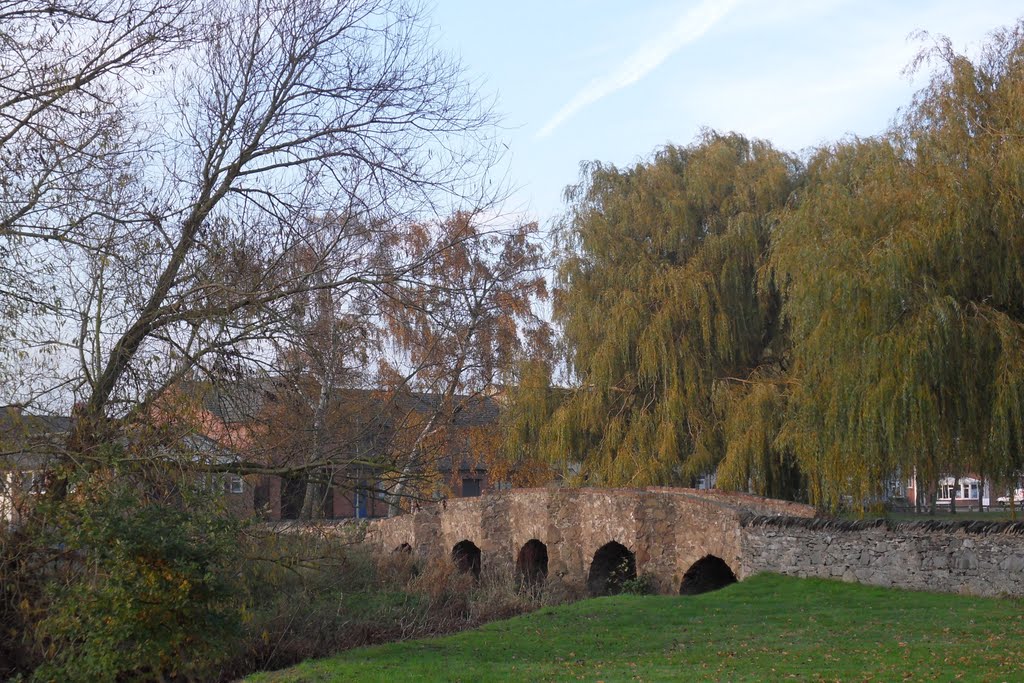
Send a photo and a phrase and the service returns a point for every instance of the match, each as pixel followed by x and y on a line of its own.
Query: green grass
pixel 766 628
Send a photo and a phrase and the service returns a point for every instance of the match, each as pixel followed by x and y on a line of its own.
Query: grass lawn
pixel 767 628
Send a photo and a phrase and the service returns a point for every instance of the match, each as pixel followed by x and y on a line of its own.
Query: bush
pixel 145 591
pixel 640 585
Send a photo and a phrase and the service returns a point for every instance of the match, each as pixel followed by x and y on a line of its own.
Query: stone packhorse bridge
pixel 596 538
pixel 689 541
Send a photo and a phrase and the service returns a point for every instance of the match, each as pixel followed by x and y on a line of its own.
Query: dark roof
pixel 470 411
pixel 27 441
pixel 245 400
pixel 14 421
pixel 237 402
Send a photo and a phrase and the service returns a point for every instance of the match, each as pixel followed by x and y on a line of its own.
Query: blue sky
pixel 611 80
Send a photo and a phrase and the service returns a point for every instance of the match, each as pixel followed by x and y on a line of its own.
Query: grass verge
pixel 765 628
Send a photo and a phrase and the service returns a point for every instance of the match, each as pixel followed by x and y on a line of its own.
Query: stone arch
pixel 612 566
pixel 709 573
pixel 466 557
pixel 532 562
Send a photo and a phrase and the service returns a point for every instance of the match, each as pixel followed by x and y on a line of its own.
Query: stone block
pixel 1013 563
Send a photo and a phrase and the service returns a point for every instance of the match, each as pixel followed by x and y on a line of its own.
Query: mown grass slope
pixel 766 628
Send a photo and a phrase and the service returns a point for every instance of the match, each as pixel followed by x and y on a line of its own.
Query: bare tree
pixel 66 97
pixel 173 181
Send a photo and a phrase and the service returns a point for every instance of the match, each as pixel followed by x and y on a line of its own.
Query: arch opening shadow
pixel 532 563
pixel 612 566
pixel 709 573
pixel 466 557
pixel 403 548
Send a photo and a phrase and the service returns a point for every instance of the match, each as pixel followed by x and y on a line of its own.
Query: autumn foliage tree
pixel 904 288
pixel 378 386
pixel 660 302
pixel 457 327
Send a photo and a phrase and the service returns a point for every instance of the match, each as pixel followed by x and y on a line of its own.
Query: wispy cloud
pixel 690 26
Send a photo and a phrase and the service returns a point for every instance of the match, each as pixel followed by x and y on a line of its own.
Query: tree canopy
pixel 809 329
pixel 905 287
pixel 659 300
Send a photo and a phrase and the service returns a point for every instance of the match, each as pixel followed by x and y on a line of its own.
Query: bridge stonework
pixel 667 530
pixel 672 533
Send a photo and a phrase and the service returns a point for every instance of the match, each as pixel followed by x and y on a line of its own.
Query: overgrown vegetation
pixel 145 589
pixel 766 628
pixel 343 598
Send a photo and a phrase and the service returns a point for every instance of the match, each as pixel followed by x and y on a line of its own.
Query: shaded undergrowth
pixel 346 597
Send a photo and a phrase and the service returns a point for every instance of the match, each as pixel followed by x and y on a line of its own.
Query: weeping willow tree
pixel 659 303
pixel 904 268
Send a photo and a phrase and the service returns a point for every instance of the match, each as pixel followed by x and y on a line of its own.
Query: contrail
pixel 690 27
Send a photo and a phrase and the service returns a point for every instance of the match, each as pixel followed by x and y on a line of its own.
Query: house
pixel 27 444
pixel 30 443
pixel 254 443
pixel 969 491
pixel 369 446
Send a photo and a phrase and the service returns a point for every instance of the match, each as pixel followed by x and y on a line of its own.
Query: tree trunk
pixel 316 493
pixel 916 494
pixel 952 496
pixel 313 501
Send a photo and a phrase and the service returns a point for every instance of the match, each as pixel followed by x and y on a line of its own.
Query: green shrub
pixel 639 585
pixel 145 591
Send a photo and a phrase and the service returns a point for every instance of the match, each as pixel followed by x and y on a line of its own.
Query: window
pixel 470 488
pixel 218 483
pixel 33 481
pixel 966 489
pixel 707 481
pixel 359 502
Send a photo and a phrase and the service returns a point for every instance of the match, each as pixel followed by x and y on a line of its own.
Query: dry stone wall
pixel 978 558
